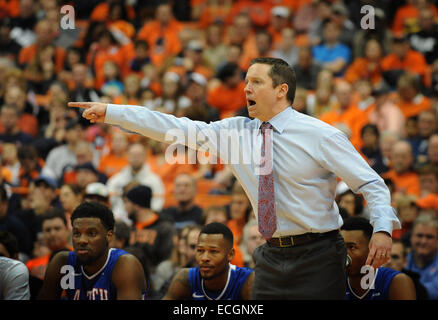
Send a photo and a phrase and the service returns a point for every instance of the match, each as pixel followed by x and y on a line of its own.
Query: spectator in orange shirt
pixel 27 122
pixel 103 50
pixel 367 67
pixel 410 100
pixel 44 37
pixel 404 177
pixel 103 10
pixel 240 212
pixel 56 236
pixel 258 11
pixel 263 48
pixel 405 19
pixel 212 11
pixel 280 19
pixel 229 96
pixel 402 59
pixel 346 112
pixel 117 158
pixel 162 34
pixel 241 33
pixel 30 165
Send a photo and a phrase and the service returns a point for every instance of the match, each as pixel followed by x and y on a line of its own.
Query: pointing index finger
pixel 84 105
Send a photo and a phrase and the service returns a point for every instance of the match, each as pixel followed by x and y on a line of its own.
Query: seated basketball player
pixel 364 283
pixel 214 278
pixel 100 273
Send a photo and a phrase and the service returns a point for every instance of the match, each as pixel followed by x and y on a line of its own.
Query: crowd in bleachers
pixel 379 85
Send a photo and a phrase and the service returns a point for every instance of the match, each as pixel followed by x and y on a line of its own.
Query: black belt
pixel 290 241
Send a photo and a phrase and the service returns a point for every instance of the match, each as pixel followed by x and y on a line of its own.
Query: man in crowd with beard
pixel 100 273
pixel 214 278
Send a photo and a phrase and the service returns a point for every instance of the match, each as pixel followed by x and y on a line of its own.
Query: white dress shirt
pixel 308 156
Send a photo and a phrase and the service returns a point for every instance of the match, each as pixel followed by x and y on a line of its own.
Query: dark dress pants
pixel 312 271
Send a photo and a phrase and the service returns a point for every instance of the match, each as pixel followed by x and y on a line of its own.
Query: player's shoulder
pixel 387 272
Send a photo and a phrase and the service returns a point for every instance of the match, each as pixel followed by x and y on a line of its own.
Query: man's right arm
pixel 179 288
pixel 162 127
pixel 51 289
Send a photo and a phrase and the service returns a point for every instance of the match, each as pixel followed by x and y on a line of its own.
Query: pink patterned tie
pixel 266 206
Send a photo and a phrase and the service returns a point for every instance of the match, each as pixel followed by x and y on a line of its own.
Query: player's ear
pixel 109 235
pixel 231 254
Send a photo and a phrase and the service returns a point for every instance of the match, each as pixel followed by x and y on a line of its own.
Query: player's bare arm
pixel 128 278
pixel 179 288
pixel 402 288
pixel 51 289
pixel 246 292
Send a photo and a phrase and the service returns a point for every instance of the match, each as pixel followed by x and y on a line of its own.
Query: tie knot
pixel 265 126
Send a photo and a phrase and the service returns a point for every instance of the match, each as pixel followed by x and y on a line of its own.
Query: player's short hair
pixel 358 223
pixel 219 228
pixel 94 209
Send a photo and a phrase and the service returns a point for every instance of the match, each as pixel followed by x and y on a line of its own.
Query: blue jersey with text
pixel 98 286
pixel 380 291
pixel 236 278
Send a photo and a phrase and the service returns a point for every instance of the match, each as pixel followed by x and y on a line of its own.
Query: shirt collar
pixel 280 120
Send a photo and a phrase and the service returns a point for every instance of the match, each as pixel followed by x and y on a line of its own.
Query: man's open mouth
pixel 251 102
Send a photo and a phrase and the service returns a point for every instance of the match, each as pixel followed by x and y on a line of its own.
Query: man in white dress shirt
pixel 293 200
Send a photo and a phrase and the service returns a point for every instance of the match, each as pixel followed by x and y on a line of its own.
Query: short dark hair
pixel 122 231
pixel 227 71
pixel 371 127
pixel 141 43
pixel 281 72
pixel 94 209
pixel 53 213
pixel 358 223
pixel 358 201
pixel 10 242
pixel 219 228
